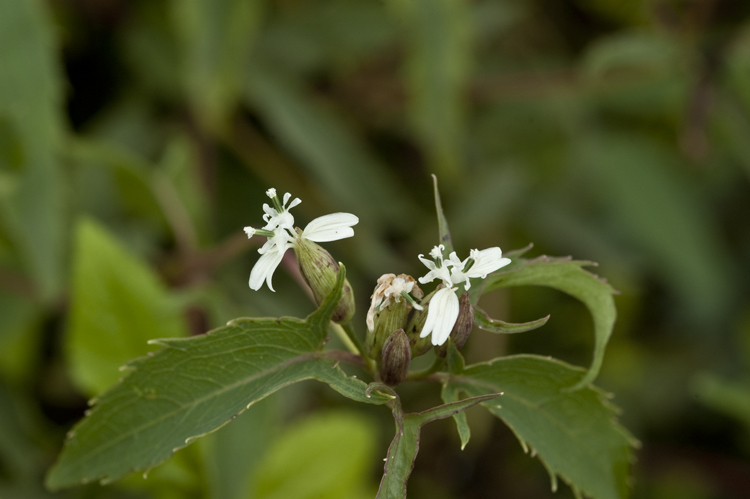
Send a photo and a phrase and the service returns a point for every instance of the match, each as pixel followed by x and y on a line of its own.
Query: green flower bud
pixel 462 328
pixel 394 365
pixel 389 310
pixel 319 269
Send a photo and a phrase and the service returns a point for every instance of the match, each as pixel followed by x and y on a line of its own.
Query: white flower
pixel 279 230
pixel 443 308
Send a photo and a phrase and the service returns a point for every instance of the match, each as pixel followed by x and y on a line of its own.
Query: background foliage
pixel 137 139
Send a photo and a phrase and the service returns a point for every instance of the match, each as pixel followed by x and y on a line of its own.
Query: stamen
pixel 411 300
pixel 261 232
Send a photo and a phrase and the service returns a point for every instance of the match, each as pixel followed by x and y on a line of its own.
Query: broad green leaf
pixel 482 320
pixel 30 98
pixel 326 455
pixel 216 38
pixel 574 433
pixel 569 277
pixel 403 449
pixel 731 398
pixel 455 364
pixel 443 231
pixel 194 386
pixel 323 143
pixel 439 47
pixel 118 304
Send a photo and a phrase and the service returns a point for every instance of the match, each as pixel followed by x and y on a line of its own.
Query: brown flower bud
pixel 463 326
pixel 319 269
pixel 394 366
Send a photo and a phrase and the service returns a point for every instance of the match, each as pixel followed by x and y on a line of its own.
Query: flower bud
pixel 389 310
pixel 394 366
pixel 319 269
pixel 462 328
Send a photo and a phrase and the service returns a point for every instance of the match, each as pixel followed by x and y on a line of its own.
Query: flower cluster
pixel 279 230
pixel 444 306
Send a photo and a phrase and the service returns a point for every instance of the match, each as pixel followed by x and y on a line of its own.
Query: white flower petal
pixel 264 268
pixel 442 313
pixel 486 262
pixel 330 227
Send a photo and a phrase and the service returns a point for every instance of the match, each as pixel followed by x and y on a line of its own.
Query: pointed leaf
pixel 482 320
pixel 574 433
pixel 445 234
pixel 194 386
pixel 569 277
pixel 405 445
pixel 118 304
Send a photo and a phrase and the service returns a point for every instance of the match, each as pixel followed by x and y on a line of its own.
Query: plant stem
pixel 351 339
pixel 435 367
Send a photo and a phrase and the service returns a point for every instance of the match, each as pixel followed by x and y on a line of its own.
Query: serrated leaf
pixel 574 433
pixel 443 231
pixel 118 304
pixel 405 445
pixel 196 385
pixel 569 277
pixel 325 455
pixel 30 98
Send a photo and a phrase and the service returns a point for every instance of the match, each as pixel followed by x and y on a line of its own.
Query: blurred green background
pixel 137 138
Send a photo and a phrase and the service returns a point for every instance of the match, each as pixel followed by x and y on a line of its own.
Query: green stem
pixel 435 367
pixel 358 344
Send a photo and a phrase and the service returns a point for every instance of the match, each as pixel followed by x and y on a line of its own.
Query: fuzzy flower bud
pixel 396 356
pixel 319 269
pixel 389 310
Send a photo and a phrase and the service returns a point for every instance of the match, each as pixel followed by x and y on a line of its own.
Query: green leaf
pixel 443 231
pixel 405 445
pixel 194 386
pixel 118 304
pixel 731 398
pixel 216 38
pixel 569 277
pixel 483 320
pixel 455 363
pixel 574 433
pixel 30 98
pixel 326 455
pixel 439 48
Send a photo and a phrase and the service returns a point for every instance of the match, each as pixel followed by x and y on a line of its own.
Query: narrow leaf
pixel 569 277
pixel 118 304
pixel 483 320
pixel 574 433
pixel 405 445
pixel 445 234
pixel 194 386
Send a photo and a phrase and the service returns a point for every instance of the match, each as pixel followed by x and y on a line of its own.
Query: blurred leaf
pixel 118 304
pixel 730 398
pixel 439 50
pixel 30 96
pixel 643 53
pixel 325 455
pixel 569 277
pixel 641 184
pixel 443 231
pixel 405 445
pixel 19 337
pixel 216 37
pixel 195 385
pixel 482 320
pixel 232 453
pixel 334 157
pixel 574 433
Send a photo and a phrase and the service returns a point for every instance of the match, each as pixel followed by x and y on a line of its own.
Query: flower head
pixel 444 306
pixel 279 230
